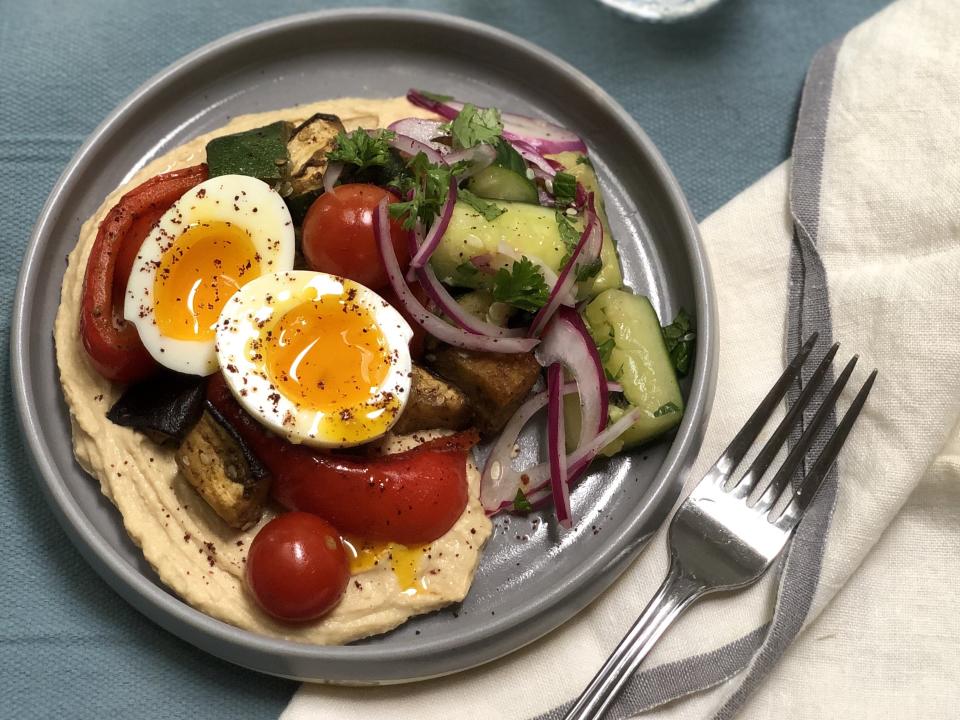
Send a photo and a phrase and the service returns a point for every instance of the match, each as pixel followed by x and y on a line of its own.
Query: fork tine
pixel 782 479
pixel 769 451
pixel 821 466
pixel 741 443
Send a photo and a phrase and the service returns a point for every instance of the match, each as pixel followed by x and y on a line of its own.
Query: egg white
pixel 255 309
pixel 243 201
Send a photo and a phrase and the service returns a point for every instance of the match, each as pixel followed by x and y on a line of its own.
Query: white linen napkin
pixel 857 237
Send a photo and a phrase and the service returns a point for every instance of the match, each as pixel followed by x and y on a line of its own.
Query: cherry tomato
pixel 411 497
pixel 297 568
pixel 112 344
pixel 338 235
pixel 418 341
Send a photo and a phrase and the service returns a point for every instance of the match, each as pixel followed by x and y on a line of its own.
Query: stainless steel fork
pixel 724 537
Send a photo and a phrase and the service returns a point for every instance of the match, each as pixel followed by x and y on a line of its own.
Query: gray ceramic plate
pixel 532 578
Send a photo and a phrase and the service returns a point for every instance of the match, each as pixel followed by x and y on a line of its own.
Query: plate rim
pixel 425 660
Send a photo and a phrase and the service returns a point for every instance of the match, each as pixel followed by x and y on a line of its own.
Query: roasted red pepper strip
pixel 113 344
pixel 411 497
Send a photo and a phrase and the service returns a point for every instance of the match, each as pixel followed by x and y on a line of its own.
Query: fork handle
pixel 675 595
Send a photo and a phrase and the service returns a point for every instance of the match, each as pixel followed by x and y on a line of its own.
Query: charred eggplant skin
pixel 164 407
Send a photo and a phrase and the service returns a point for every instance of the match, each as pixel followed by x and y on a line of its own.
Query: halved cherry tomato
pixel 410 497
pixel 296 567
pixel 338 234
pixel 113 344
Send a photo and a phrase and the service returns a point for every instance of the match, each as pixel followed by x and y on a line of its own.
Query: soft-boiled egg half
pixel 317 358
pixel 215 239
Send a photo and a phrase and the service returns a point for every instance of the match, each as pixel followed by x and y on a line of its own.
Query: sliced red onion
pixel 480 156
pixel 544 136
pixel 428 321
pixel 568 342
pixel 500 481
pixel 331 174
pixel 538 478
pixel 556 453
pixel 530 154
pixel 446 303
pixel 590 239
pixel 483 263
pixel 422 130
pixel 545 198
pixel 409 146
pixel 437 229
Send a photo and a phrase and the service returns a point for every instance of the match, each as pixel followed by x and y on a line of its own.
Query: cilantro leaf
pixel 429 184
pixel 520 502
pixel 568 233
pixel 666 409
pixel 605 348
pixel 466 274
pixel 474 125
pixel 486 208
pixel 522 286
pixel 680 338
pixel 508 158
pixel 564 189
pixel 589 270
pixel 584 160
pixel 362 149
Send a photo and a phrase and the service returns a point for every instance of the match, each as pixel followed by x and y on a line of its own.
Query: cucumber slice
pixel 498 183
pixel 627 331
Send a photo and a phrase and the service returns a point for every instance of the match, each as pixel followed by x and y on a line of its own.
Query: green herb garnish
pixel 362 149
pixel 605 348
pixel 666 409
pixel 508 158
pixel 568 233
pixel 522 286
pixel 474 125
pixel 584 160
pixel 520 502
pixel 429 184
pixel 589 270
pixel 564 189
pixel 680 338
pixel 488 209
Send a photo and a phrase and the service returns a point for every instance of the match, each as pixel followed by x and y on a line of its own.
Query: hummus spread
pixel 192 550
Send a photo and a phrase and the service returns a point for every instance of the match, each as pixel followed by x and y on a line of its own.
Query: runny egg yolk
pixel 327 354
pixel 364 555
pixel 206 265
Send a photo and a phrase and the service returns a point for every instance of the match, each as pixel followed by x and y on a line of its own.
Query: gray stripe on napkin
pixel 808 311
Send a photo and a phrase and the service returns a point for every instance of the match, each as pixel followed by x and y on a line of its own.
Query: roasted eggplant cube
pixel 216 465
pixel 163 407
pixel 308 146
pixel 434 404
pixel 495 383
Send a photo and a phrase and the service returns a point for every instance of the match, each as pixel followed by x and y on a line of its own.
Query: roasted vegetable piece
pixel 215 464
pixel 495 383
pixel 411 497
pixel 164 407
pixel 433 404
pixel 290 158
pixel 112 344
pixel 260 153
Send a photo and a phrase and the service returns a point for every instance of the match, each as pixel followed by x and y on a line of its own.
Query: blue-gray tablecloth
pixel 717 94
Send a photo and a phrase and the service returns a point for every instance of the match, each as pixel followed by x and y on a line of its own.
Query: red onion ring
pixel 437 229
pixel 480 157
pixel 427 320
pixel 409 146
pixel 499 481
pixel 420 129
pixel 448 305
pixel 544 136
pixel 530 154
pixel 556 452
pixel 591 239
pixel 331 174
